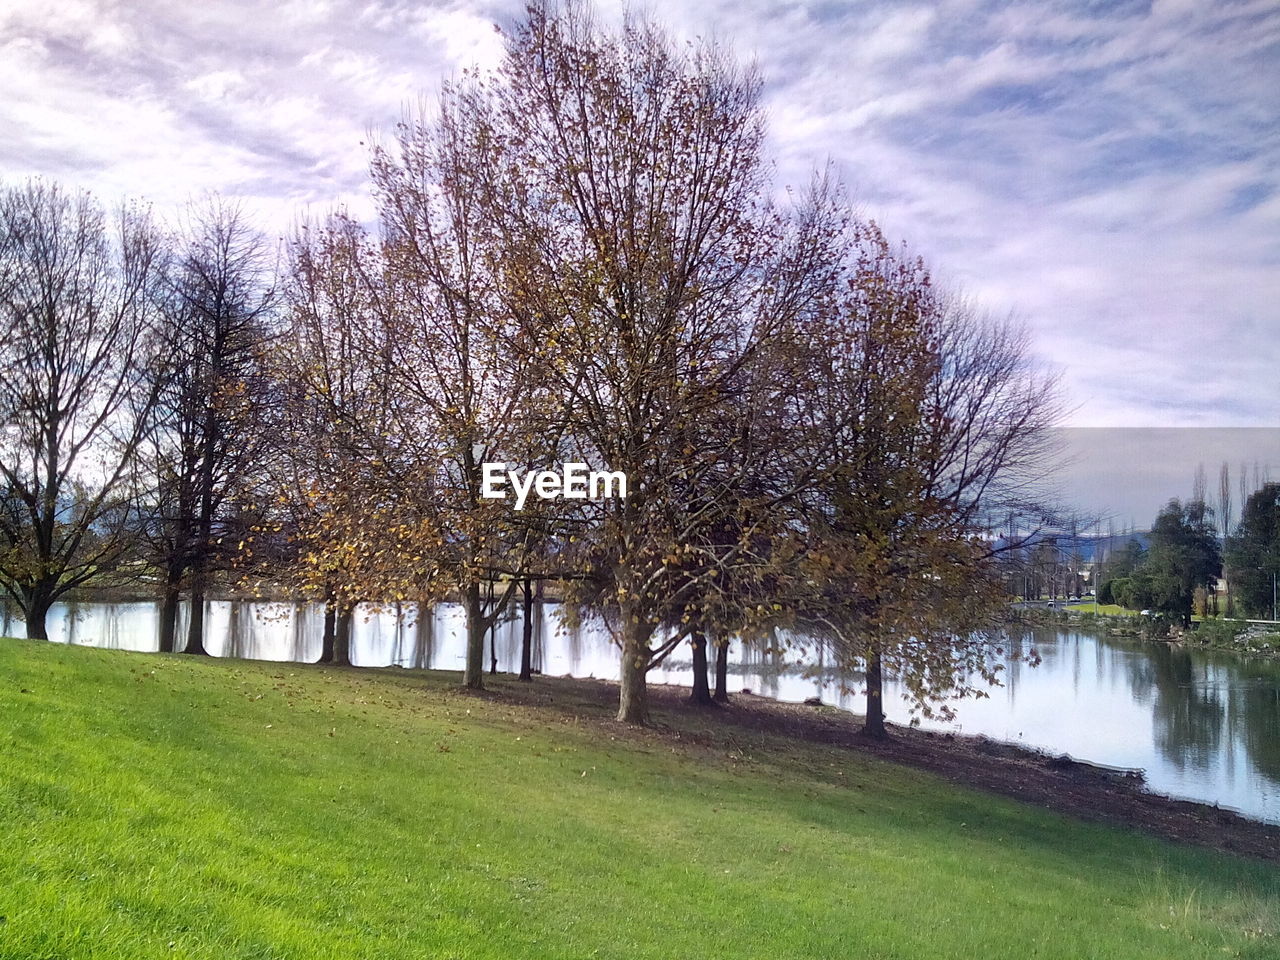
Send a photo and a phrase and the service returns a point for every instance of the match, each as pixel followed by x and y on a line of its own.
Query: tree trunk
pixel 493 634
pixel 204 520
pixel 342 637
pixel 473 673
pixel 169 612
pixel 526 640
pixel 633 694
pixel 722 671
pixel 426 633
pixel 330 632
pixel 874 726
pixel 701 688
pixel 39 601
pixel 195 631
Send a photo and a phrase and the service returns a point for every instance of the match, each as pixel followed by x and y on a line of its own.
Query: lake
pixel 1202 725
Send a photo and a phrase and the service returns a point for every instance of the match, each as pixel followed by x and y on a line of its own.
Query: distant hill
pixel 1090 547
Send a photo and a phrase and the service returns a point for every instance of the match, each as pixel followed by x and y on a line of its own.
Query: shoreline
pixel 1248 641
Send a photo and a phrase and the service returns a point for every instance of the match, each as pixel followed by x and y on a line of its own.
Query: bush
pixel 1122 591
pixel 1219 632
pixel 1105 595
pixel 1159 627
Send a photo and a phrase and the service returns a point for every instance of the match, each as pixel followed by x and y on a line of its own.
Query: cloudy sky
pixel 1122 476
pixel 1108 171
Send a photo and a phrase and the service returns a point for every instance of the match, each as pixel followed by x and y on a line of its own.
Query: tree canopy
pixel 1253 554
pixel 1184 554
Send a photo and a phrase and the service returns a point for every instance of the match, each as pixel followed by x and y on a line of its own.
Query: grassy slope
pixel 164 807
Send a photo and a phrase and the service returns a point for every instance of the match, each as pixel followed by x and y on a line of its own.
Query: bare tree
pixel 205 433
pixel 1225 503
pixel 460 362
pixel 77 312
pixel 331 434
pixel 1226 528
pixel 226 285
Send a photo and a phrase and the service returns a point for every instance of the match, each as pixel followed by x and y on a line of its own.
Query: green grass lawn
pixel 1103 609
pixel 158 806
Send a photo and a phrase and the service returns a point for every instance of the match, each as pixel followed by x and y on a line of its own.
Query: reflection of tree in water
pixel 764 667
pixel 1205 702
pixel 422 626
pixel 1026 649
pixel 1255 713
pixel 761 667
pixel 1188 708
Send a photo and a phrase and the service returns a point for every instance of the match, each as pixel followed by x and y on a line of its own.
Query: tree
pixel 408 385
pixel 950 427
pixel 1118 572
pixel 461 363
pixel 871 549
pixel 205 436
pixel 645 259
pixel 1226 523
pixel 77 340
pixel 1123 591
pixel 1124 562
pixel 1225 504
pixel 1046 560
pixel 1253 553
pixel 1184 554
pixel 336 534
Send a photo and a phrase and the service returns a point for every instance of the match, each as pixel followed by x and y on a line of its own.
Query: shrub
pixel 1122 591
pixel 1219 632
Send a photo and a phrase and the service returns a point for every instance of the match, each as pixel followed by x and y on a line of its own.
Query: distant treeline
pixel 1196 559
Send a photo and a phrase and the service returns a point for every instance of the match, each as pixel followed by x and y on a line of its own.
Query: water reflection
pixel 1203 724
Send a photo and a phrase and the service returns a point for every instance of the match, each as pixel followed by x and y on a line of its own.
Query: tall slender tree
pixel 204 441
pixel 1226 526
pixel 338 535
pixel 460 363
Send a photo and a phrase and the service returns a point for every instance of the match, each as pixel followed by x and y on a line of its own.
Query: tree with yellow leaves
pixel 929 420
